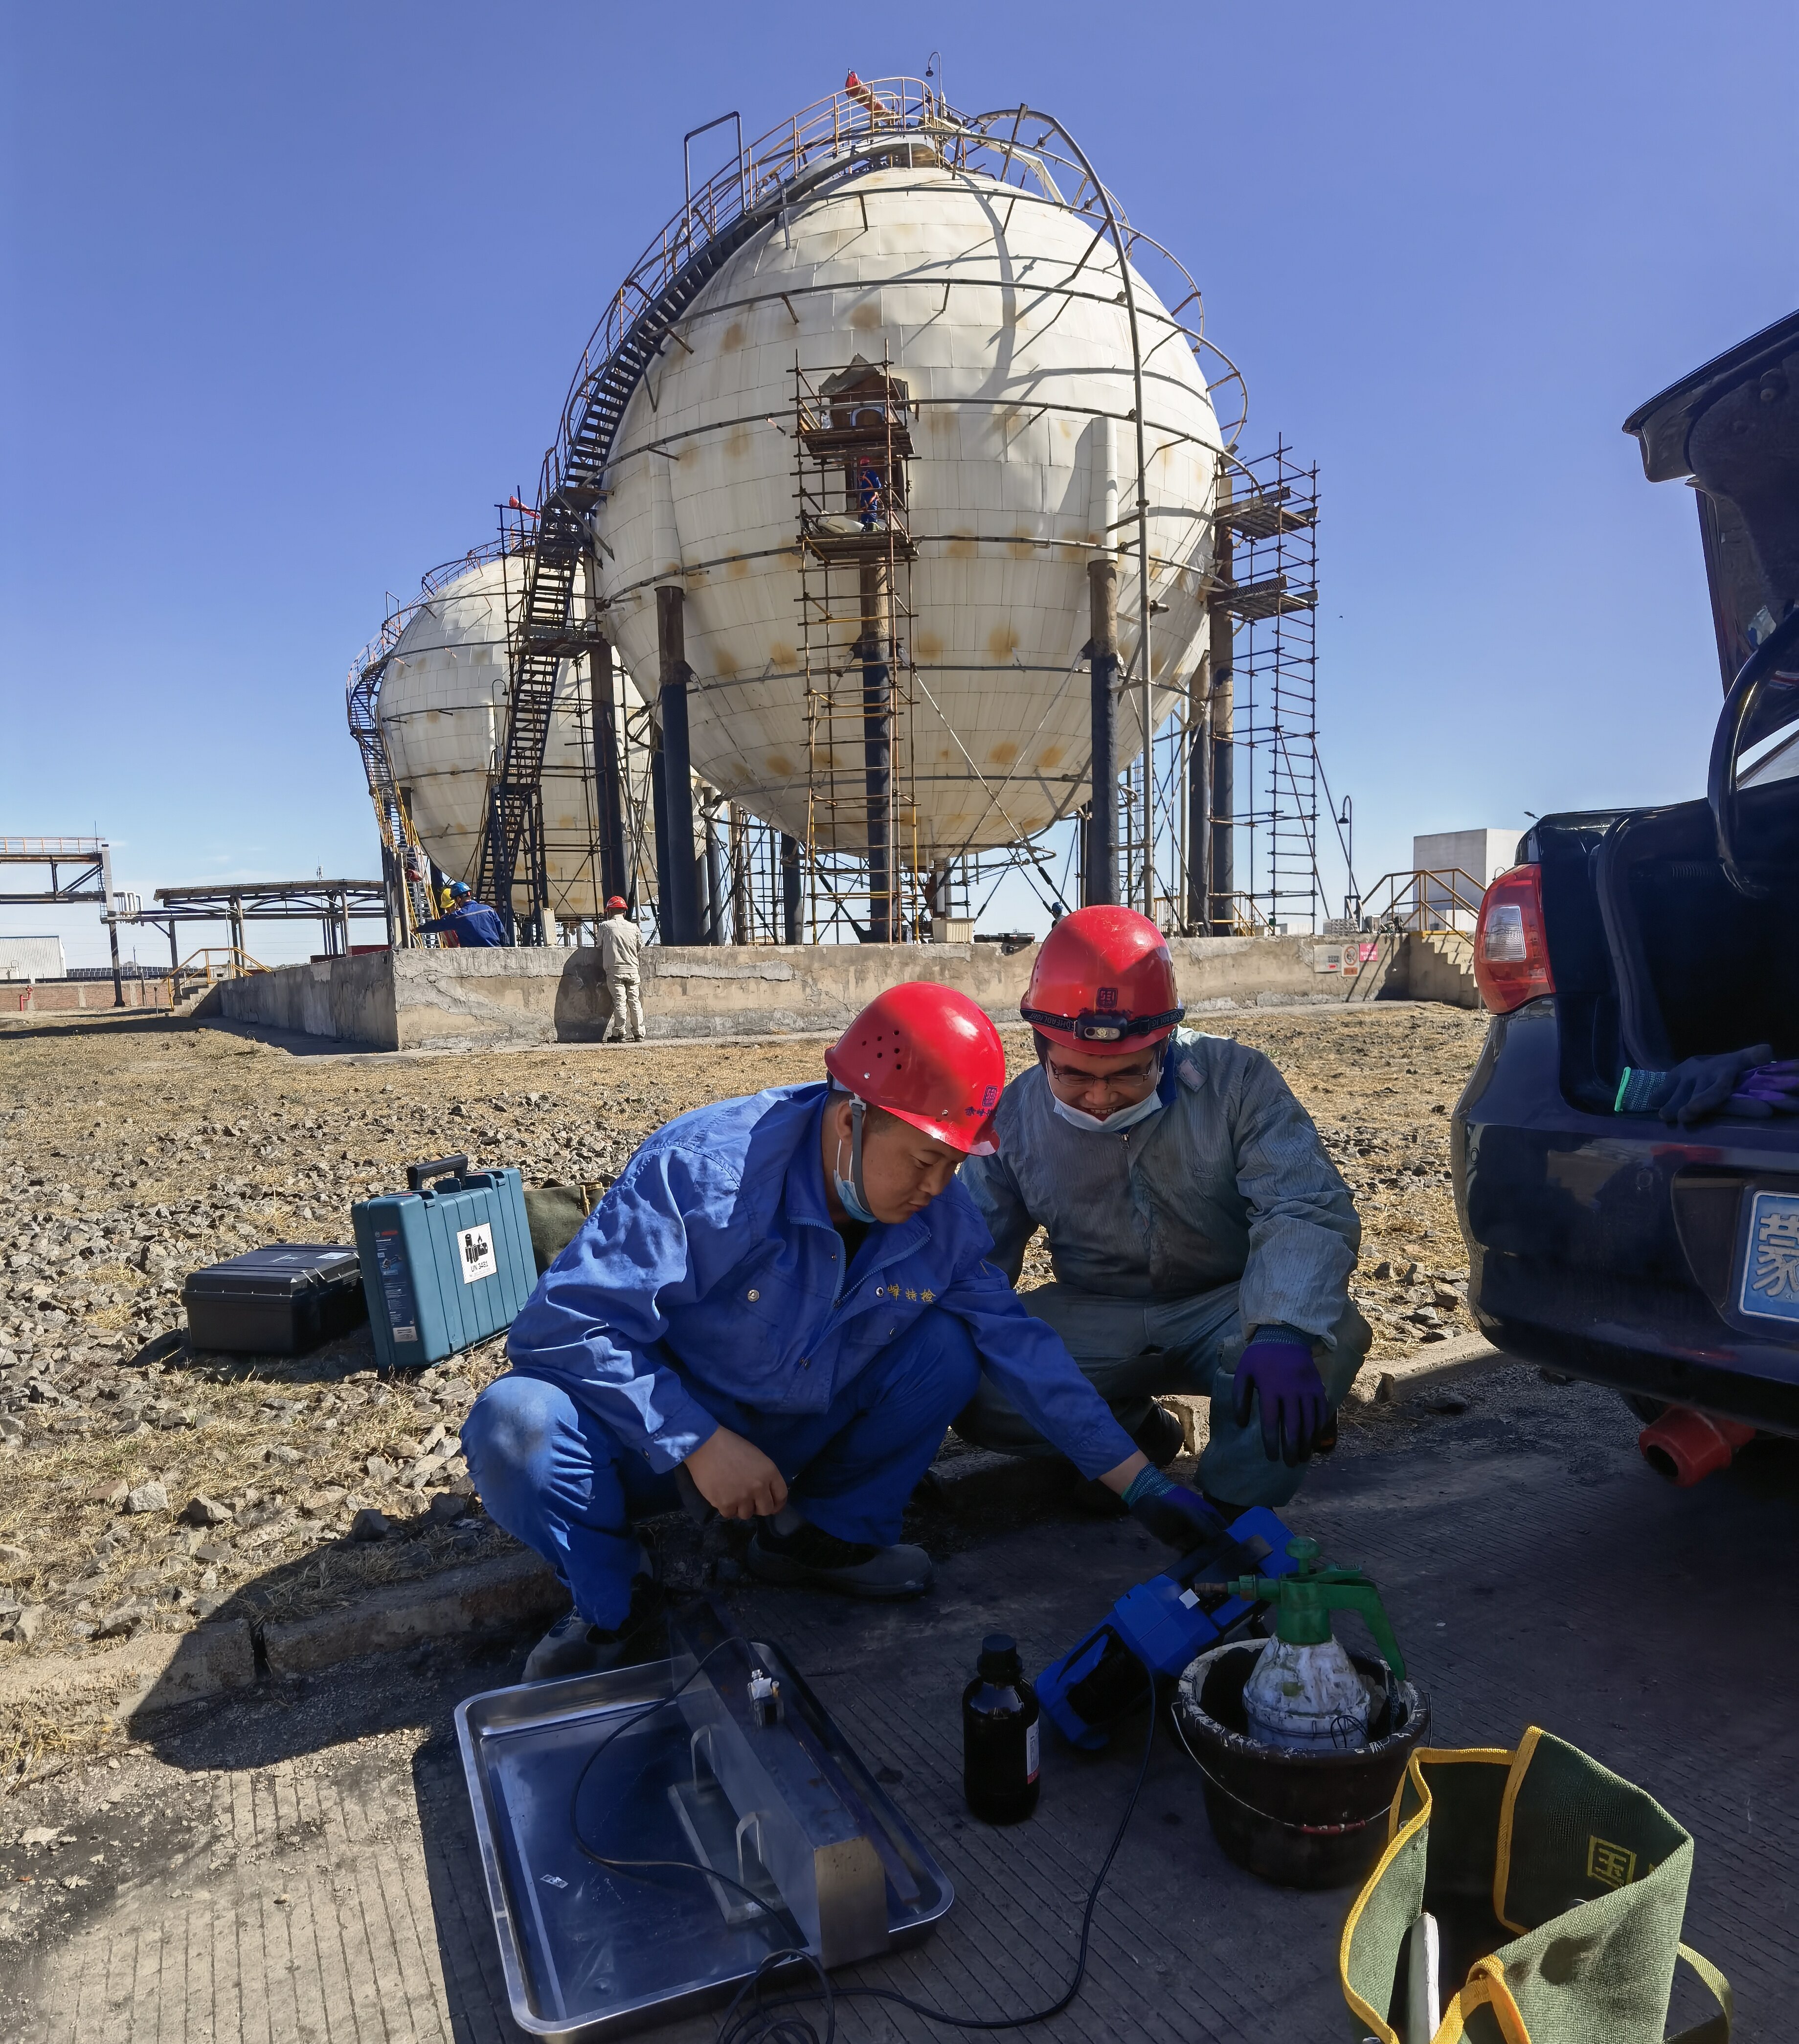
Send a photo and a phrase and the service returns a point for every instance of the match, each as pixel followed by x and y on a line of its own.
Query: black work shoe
pixel 815 1559
pixel 1161 1437
pixel 574 1646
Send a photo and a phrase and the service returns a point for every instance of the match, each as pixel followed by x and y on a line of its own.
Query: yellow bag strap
pixel 1715 2029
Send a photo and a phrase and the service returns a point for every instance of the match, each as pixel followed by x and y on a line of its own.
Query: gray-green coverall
pixel 1172 1243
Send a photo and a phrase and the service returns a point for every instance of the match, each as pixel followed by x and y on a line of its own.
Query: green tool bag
pixel 1558 1890
pixel 554 1214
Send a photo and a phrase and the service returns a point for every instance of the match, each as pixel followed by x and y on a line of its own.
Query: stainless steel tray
pixel 590 1952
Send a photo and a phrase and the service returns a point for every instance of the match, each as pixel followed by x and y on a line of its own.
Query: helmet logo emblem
pixel 989 1095
pixel 1105 997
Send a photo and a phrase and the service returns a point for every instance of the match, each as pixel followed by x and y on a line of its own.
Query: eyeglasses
pixel 1132 1083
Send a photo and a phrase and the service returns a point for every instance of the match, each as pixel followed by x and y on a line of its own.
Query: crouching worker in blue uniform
pixel 1201 1238
pixel 787 1298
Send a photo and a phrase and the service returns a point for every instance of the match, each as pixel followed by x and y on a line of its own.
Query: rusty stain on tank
pixel 782 656
pixel 866 316
pixel 927 645
pixel 733 335
pixel 736 442
pixel 961 546
pixel 1004 753
pixel 1001 642
pixel 778 762
pixel 1051 755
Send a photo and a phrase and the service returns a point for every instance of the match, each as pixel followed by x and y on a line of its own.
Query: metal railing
pixel 1423 900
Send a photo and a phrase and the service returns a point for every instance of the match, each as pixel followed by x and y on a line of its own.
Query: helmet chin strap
pixel 856 1111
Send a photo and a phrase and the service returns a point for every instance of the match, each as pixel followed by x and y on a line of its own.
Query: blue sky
pixel 290 296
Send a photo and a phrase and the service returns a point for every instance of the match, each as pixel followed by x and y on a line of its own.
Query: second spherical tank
pixel 1002 315
pixel 443 715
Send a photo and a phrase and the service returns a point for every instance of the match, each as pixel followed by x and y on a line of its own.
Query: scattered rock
pixel 380 1470
pixel 447 1506
pixel 10 1554
pixel 151 1496
pixel 369 1524
pixel 44 1837
pixel 26 1624
pixel 203 1511
pixel 124 1620
pixel 109 1493
pixel 213 1550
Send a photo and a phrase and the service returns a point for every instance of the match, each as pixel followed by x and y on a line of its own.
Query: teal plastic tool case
pixel 445 1265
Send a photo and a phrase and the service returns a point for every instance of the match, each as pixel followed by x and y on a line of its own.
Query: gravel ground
pixel 131 1152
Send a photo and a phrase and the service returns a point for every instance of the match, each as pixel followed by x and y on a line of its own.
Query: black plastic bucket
pixel 1301 1819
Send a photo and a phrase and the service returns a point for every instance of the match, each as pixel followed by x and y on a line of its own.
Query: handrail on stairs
pixel 1421 902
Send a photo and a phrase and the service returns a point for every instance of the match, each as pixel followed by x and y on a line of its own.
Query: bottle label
pixel 1030 1750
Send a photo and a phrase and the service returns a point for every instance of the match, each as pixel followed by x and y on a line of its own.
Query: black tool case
pixel 280 1300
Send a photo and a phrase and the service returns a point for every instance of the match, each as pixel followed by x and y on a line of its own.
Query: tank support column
pixel 793 930
pixel 676 853
pixel 608 806
pixel 1199 800
pixel 1102 861
pixel 877 747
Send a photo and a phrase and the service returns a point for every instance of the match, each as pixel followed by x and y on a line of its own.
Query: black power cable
pixel 753 2019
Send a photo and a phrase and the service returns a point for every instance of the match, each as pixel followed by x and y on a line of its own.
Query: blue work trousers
pixel 557 1478
pixel 1132 1351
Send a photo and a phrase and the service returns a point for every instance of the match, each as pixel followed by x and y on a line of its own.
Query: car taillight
pixel 1511 956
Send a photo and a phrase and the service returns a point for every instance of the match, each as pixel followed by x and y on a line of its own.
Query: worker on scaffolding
pixel 469 924
pixel 620 941
pixel 785 1299
pixel 1202 1241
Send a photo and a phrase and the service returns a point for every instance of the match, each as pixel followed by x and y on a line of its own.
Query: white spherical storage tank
pixel 442 710
pixel 999 311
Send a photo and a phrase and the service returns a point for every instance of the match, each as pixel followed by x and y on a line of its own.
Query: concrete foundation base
pixel 458 1000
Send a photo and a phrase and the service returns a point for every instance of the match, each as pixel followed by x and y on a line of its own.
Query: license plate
pixel 1770 1288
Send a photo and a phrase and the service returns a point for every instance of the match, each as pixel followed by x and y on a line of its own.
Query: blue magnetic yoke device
pixel 1160 1625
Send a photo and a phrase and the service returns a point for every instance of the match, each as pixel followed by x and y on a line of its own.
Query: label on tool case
pixel 1032 1746
pixel 396 1287
pixel 478 1258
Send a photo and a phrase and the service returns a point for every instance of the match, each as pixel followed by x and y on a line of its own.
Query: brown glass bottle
pixel 999 1736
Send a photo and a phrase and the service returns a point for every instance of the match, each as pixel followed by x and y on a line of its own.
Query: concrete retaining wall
pixel 454 1000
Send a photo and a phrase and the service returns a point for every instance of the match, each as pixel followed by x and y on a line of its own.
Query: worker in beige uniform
pixel 619 945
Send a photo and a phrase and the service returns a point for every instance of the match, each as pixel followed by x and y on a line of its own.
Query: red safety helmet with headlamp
pixel 928 1054
pixel 1103 984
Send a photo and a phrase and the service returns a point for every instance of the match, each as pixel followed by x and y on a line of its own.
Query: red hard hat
pixel 616 901
pixel 1103 983
pixel 928 1054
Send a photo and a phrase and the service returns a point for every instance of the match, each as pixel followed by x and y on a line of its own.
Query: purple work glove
pixel 1769 1089
pixel 1278 1372
pixel 1177 1516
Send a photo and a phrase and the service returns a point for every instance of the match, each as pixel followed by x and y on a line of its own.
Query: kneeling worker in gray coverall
pixel 1201 1238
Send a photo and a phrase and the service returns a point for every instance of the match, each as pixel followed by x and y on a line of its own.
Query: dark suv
pixel 1663 1261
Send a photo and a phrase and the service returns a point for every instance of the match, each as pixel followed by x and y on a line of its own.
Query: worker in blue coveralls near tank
pixel 787 1298
pixel 1201 1238
pixel 473 925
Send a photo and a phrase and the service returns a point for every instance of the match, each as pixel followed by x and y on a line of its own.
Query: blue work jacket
pixel 713 1260
pixel 477 926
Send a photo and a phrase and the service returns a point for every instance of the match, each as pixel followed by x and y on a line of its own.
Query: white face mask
pixel 1114 1124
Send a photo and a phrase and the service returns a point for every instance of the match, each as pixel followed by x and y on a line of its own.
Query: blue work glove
pixel 1179 1517
pixel 1698 1088
pixel 1278 1374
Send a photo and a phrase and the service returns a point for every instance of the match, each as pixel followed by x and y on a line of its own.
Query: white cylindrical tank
pixel 1003 316
pixel 442 714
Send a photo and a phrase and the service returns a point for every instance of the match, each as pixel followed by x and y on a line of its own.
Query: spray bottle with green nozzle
pixel 1305 1691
